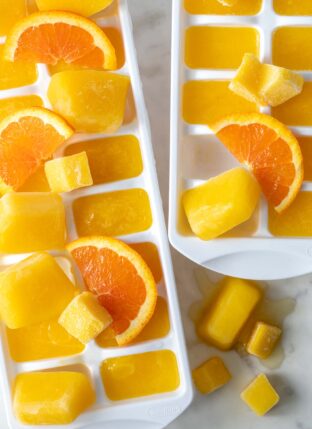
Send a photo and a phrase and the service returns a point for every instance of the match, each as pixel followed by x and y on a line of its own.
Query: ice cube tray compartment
pixel 151 411
pixel 251 251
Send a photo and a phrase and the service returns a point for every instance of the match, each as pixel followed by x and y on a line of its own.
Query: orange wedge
pixel 49 37
pixel 269 149
pixel 27 138
pixel 122 281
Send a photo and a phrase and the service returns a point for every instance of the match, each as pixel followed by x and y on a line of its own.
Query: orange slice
pixel 122 281
pixel 48 37
pixel 269 149
pixel 28 137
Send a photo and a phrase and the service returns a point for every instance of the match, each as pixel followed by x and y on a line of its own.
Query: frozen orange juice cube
pixel 10 13
pixel 292 47
pixel 68 173
pixel 219 47
pixel 306 149
pixel 113 213
pixel 31 221
pixel 11 105
pixel 46 340
pixel 296 111
pixel 16 74
pixel 223 7
pixel 85 8
pixel 221 203
pixel 296 220
pixel 37 182
pixel 263 340
pixel 34 290
pixel 109 157
pixel 260 396
pixel 90 100
pixel 293 7
pixel 51 397
pixel 205 102
pixel 211 375
pixel 140 375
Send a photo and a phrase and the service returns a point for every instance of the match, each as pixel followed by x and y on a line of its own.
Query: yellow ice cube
pixel 260 396
pixel 90 100
pixel 84 318
pixel 16 74
pixel 264 83
pixel 221 203
pixel 34 290
pixel 55 397
pixel 223 320
pixel 31 221
pixel 263 340
pixel 215 7
pixel 10 14
pixel 211 375
pixel 85 8
pixel 68 173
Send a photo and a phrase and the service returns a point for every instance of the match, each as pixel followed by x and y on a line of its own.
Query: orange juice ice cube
pixel 51 397
pixel 296 220
pixel 10 14
pixel 46 340
pixel 68 173
pixel 221 203
pixel 138 375
pixel 263 340
pixel 296 111
pixel 265 84
pixel 219 47
pixel 306 149
pixel 293 7
pixel 31 221
pixel 90 100
pixel 291 47
pixel 85 8
pixel 13 104
pixel 16 74
pixel 34 290
pixel 109 157
pixel 205 102
pixel 260 396
pixel 37 182
pixel 211 375
pixel 113 213
pixel 218 7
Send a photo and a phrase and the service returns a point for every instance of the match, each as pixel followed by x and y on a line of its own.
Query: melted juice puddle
pixel 270 311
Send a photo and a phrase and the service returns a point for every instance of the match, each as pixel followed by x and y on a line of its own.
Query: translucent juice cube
pixel 10 14
pixel 113 213
pixel 157 327
pixel 292 47
pixel 85 8
pixel 68 173
pixel 211 375
pixel 149 253
pixel 31 221
pixel 306 149
pixel 44 341
pixel 221 203
pixel 241 7
pixel 90 100
pixel 205 102
pixel 109 157
pixel 297 110
pixel 219 47
pixel 296 221
pixel 293 7
pixel 15 74
pixel 11 105
pixel 55 397
pixel 260 396
pixel 34 290
pixel 37 182
pixel 140 375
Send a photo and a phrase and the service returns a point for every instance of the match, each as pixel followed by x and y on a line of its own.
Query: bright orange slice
pixel 28 137
pixel 269 149
pixel 122 281
pixel 48 37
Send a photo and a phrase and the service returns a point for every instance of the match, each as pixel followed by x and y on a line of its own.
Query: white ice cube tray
pixel 154 411
pixel 197 155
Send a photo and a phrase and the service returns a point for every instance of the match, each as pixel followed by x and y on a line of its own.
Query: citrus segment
pixel 269 150
pixel 85 8
pixel 27 138
pixel 121 280
pixel 48 37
